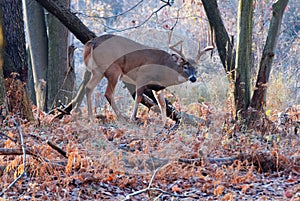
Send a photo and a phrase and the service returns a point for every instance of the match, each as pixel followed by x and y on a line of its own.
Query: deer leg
pixel 159 96
pixel 109 94
pixel 89 88
pixel 138 99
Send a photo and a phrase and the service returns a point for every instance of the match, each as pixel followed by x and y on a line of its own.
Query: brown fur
pixel 117 57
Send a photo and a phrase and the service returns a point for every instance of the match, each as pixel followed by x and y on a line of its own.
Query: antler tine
pixel 201 52
pixel 172 47
pixel 208 48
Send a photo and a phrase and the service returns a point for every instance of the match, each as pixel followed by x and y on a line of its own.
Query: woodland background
pixel 212 155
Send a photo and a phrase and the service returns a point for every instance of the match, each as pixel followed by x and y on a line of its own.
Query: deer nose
pixel 192 78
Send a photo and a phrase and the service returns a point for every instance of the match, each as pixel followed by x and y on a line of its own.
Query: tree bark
pixel 69 19
pixel 15 51
pixel 243 57
pixel 15 60
pixel 258 100
pixel 60 78
pixel 2 89
pixel 38 46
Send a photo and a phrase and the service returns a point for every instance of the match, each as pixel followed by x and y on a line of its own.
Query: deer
pixel 120 58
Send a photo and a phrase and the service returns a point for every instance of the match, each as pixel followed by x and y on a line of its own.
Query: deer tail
pixel 88 54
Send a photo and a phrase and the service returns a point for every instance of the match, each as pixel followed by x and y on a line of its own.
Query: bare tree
pixel 243 57
pixel 38 46
pixel 227 55
pixel 258 100
pixel 60 76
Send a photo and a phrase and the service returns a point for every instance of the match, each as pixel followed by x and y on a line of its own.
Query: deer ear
pixel 176 58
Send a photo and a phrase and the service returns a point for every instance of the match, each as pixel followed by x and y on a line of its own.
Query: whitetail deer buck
pixel 117 57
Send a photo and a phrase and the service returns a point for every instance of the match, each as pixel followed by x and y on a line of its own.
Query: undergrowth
pixel 72 159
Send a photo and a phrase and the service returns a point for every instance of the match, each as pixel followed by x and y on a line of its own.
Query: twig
pixel 56 148
pixel 228 160
pixel 171 194
pixel 12 139
pixel 7 151
pixel 177 19
pixel 139 25
pixel 12 183
pixel 113 16
pixel 62 111
pixel 22 145
pixel 169 2
pixel 155 189
pixel 24 159
pixel 128 197
pixel 152 178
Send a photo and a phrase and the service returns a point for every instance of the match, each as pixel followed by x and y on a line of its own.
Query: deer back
pixel 139 63
pixel 107 49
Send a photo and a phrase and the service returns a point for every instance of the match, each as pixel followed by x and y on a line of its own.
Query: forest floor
pixel 72 159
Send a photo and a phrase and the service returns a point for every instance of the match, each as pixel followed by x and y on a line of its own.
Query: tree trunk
pixel 38 48
pixel 15 60
pixel 70 20
pixel 258 100
pixel 2 89
pixel 60 77
pixel 223 42
pixel 243 57
pixel 14 37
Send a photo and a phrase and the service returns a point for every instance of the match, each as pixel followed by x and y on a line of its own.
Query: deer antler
pixel 199 53
pixel 208 48
pixel 172 47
